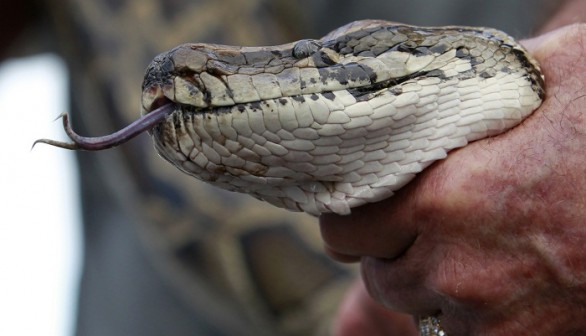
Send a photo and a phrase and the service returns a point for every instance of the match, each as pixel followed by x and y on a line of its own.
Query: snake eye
pixel 306 48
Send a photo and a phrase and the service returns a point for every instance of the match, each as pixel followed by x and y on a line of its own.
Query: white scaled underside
pixel 329 153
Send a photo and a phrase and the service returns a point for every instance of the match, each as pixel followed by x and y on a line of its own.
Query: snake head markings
pixel 330 124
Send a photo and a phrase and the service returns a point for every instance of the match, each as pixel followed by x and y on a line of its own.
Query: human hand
pixel 492 239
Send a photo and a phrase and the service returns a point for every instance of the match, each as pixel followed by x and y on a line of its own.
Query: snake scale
pixel 327 125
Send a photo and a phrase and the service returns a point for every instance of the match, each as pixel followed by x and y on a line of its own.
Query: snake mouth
pixel 155 96
pixel 159 103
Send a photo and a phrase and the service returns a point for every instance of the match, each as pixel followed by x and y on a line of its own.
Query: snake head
pixel 330 124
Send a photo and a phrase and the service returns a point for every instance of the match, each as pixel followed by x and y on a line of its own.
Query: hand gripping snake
pixel 330 124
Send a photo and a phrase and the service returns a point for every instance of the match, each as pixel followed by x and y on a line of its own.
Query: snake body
pixel 327 125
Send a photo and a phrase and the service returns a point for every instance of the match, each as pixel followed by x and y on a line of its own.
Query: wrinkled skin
pixel 492 239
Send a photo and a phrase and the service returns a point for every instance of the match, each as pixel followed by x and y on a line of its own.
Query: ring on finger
pixel 430 326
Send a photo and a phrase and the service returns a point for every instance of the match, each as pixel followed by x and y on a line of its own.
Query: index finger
pixel 359 233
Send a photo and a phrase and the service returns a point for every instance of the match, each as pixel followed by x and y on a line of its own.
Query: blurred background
pixel 40 243
pixel 121 243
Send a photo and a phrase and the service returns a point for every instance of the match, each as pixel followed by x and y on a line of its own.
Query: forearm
pixel 564 13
